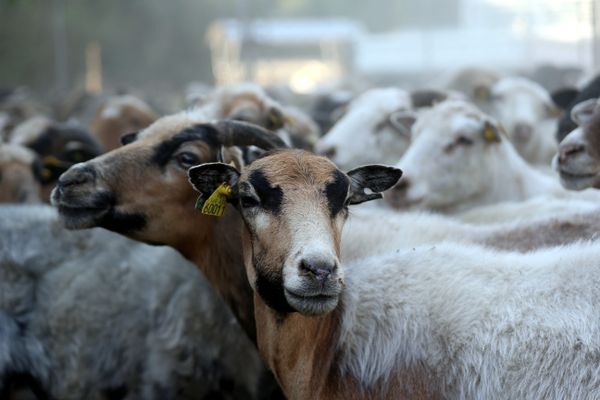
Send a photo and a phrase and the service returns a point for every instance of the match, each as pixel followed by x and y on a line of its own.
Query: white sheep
pixel 526 110
pixel 375 128
pixel 433 321
pixel 460 159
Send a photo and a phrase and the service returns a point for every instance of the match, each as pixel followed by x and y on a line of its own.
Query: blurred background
pixel 57 47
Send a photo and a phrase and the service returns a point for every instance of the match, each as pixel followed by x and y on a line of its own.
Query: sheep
pixel 57 145
pixel 526 111
pixel 400 230
pixel 103 317
pixel 568 98
pixel 460 159
pixel 20 175
pixel 327 108
pixel 578 158
pixel 500 325
pixel 475 83
pixel 137 173
pixel 375 128
pixel 118 115
pixel 249 102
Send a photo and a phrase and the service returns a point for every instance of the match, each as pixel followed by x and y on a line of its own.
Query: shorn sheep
pixel 427 322
pixel 93 315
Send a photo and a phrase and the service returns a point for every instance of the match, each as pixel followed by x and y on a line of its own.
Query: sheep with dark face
pixel 103 317
pixel 125 191
pixel 20 175
pixel 58 146
pixel 517 324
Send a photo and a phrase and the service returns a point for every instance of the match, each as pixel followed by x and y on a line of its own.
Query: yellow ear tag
pixel 46 173
pixel 489 134
pixel 216 203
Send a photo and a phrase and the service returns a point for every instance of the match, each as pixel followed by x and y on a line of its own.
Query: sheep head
pixel 141 189
pixel 294 205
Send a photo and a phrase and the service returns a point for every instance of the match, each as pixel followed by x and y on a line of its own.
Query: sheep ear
pixel 402 122
pixel 275 119
pixel 582 112
pixel 492 132
pixel 367 183
pixel 206 178
pixel 562 98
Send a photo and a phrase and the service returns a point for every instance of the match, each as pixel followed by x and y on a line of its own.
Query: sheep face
pixel 120 115
pixel 376 128
pixel 19 175
pixel 521 105
pixel 141 189
pixel 58 146
pixel 294 205
pixel 449 159
pixel 578 158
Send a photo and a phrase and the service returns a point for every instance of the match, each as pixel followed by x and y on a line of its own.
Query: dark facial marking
pixel 271 197
pixel 165 150
pixel 270 290
pixel 123 223
pixel 336 192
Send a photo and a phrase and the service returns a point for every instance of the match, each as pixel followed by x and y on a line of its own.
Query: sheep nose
pixel 77 175
pixel 321 270
pixel 569 150
pixel 522 132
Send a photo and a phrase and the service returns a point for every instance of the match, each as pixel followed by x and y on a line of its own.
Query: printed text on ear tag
pixel 216 203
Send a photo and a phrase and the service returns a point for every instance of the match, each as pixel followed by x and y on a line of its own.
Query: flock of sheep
pixel 475 277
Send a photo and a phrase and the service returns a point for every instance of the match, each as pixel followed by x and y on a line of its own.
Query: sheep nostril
pixel 570 151
pixel 77 175
pixel 320 270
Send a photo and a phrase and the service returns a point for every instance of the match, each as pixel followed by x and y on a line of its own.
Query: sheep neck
pixel 304 354
pixel 515 180
pixel 217 251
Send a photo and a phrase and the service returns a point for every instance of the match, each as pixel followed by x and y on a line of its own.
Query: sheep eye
pixel 187 159
pixel 464 141
pixel 248 201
